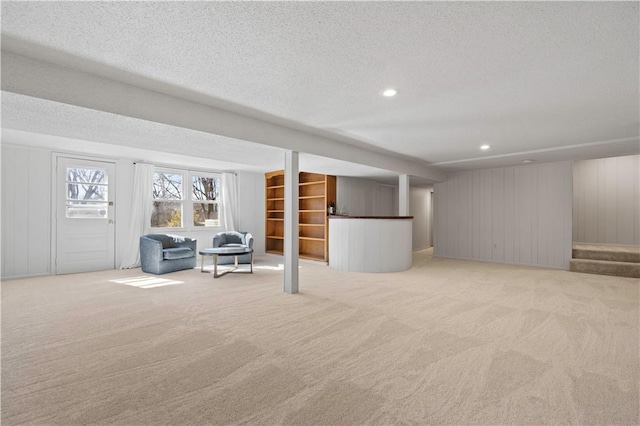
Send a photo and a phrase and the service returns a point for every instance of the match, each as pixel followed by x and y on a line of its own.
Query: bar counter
pixel 370 243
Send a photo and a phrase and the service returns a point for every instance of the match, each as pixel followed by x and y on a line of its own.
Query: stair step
pixel 615 253
pixel 605 267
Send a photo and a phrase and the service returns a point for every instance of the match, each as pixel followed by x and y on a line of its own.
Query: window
pixel 87 193
pixel 180 194
pixel 167 200
pixel 206 196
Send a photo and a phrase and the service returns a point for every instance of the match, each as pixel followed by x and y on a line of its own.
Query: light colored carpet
pixel 448 342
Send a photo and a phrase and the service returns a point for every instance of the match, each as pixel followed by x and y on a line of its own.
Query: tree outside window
pixel 87 193
pixel 206 198
pixel 167 200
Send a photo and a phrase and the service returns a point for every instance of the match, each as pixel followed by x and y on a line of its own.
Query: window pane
pixel 166 214
pixel 87 193
pixel 167 186
pixel 78 191
pixel 86 209
pixel 205 214
pixel 206 188
pixel 82 175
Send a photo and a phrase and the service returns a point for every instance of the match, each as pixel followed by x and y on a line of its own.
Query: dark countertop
pixel 369 217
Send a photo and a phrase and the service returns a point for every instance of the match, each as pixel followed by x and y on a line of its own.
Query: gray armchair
pixel 233 239
pixel 160 253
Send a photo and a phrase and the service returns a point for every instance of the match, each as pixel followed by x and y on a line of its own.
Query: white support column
pixel 403 195
pixel 291 222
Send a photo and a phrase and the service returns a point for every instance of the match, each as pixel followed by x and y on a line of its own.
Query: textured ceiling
pixel 98 133
pixel 45 117
pixel 522 77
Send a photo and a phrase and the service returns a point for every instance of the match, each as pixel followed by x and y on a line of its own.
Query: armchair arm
pixel 218 240
pixel 150 251
pixel 248 240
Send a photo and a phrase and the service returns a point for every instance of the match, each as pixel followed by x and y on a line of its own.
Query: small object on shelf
pixel 332 208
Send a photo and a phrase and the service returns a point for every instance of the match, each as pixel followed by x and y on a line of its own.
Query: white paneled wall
pixel 606 200
pixel 357 196
pixel 516 215
pixel 27 248
pixel 251 215
pixel 366 197
pixel 386 200
pixel 26 212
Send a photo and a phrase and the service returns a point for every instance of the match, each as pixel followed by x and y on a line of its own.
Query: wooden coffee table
pixel 225 251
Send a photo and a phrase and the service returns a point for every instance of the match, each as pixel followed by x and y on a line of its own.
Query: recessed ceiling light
pixel 485 147
pixel 527 161
pixel 387 93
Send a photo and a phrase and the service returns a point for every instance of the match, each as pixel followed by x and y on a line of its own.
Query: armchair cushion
pixel 177 253
pixel 167 240
pixel 233 238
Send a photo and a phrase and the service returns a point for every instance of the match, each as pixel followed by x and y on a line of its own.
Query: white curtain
pixel 230 201
pixel 141 208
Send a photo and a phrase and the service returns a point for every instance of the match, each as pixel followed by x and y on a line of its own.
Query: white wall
pixel 387 201
pixel 606 200
pixel 420 209
pixel 28 230
pixel 26 212
pixel 251 215
pixel 516 215
pixel 357 196
pixel 366 197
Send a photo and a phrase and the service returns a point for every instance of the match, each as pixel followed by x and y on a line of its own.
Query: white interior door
pixel 85 234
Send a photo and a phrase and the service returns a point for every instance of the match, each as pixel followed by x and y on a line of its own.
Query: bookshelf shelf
pixel 315 191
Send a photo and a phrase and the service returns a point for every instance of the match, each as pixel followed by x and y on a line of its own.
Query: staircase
pixel 606 259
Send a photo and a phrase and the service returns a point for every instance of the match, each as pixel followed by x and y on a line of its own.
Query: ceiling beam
pixel 86 84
